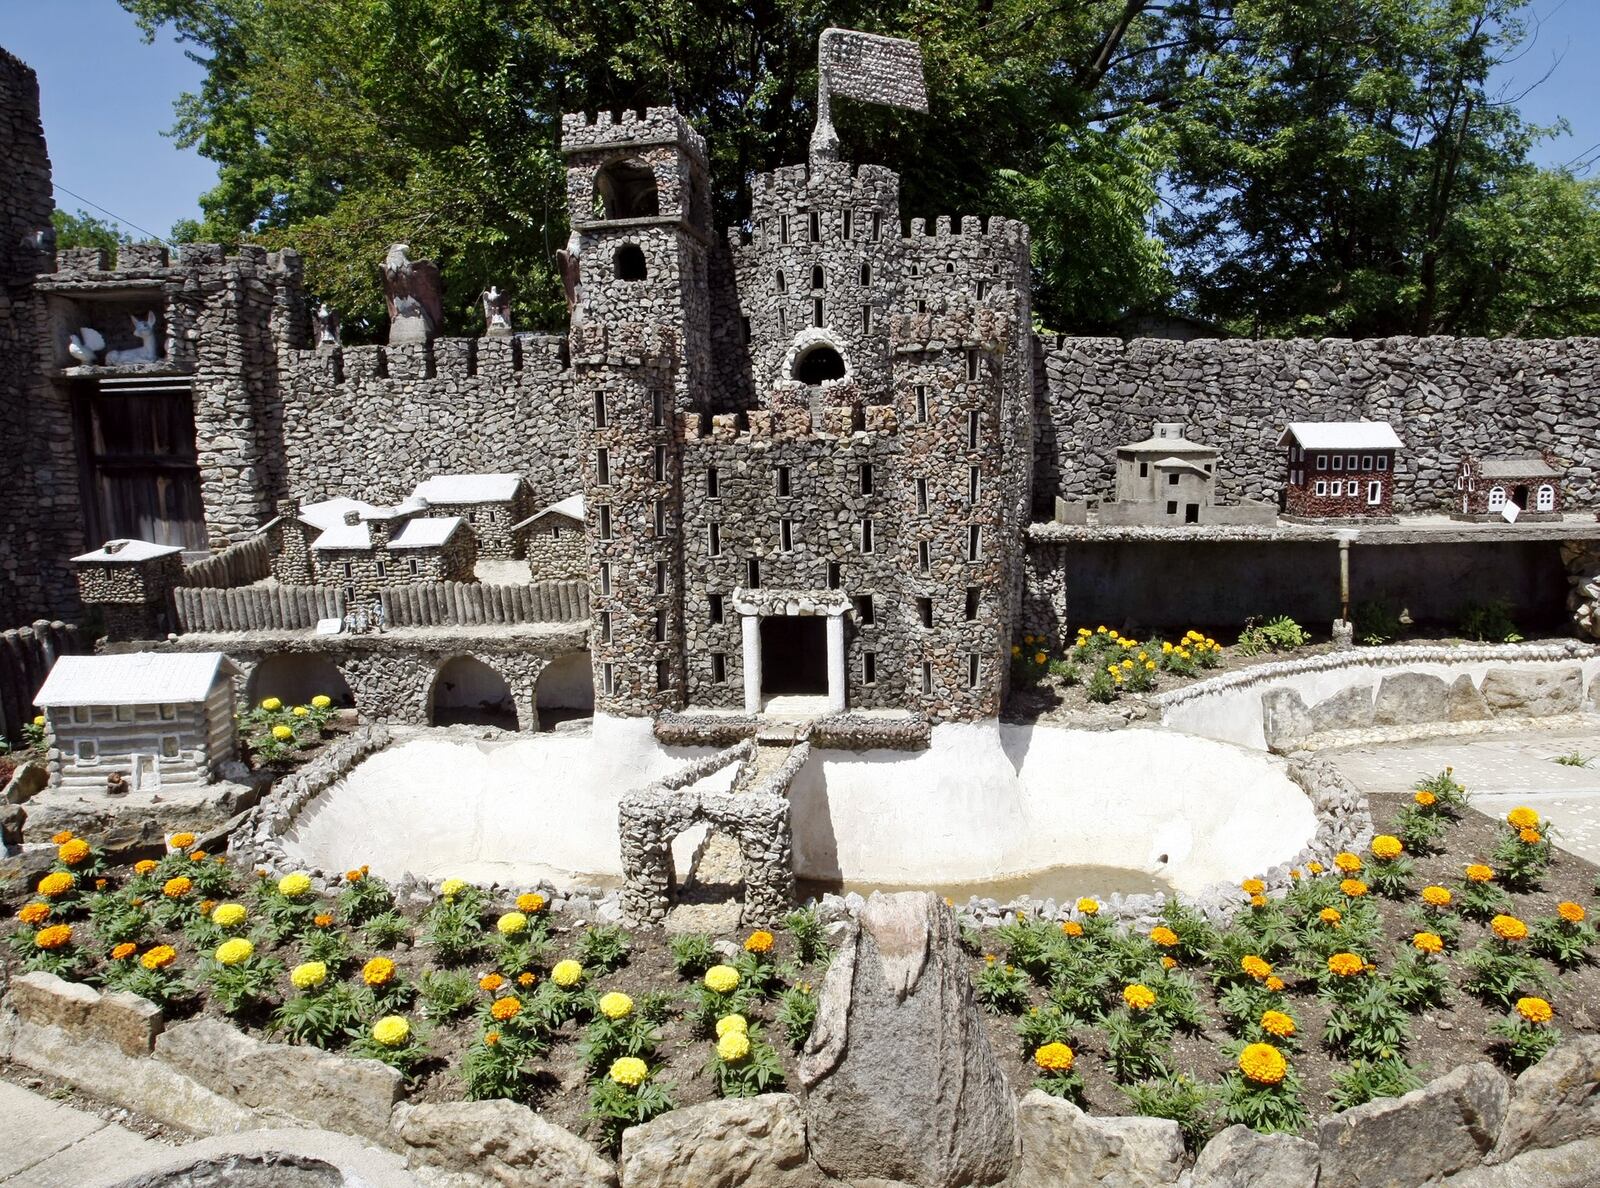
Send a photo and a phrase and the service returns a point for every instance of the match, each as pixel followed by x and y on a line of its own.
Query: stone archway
pixel 467 691
pixel 564 691
pixel 294 678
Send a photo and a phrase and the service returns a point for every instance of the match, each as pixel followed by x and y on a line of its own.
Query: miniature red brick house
pixel 1486 486
pixel 1340 469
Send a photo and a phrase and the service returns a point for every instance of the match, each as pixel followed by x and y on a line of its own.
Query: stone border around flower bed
pixel 1471 1128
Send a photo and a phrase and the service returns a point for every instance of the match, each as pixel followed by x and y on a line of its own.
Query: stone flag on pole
pixel 867 67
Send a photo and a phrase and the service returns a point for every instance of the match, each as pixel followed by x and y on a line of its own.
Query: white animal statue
pixel 145 329
pixel 86 344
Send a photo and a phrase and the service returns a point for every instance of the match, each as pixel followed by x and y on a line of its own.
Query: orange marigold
pixel 1428 942
pixel 123 951
pixel 1347 862
pixel 1425 798
pixel 505 1008
pixel 73 852
pixel 1259 901
pixel 144 866
pixel 1330 915
pixel 1263 1064
pixel 1387 847
pixel 759 941
pixel 177 888
pixel 56 883
pixel 1354 888
pixel 530 902
pixel 526 979
pixel 1164 936
pixel 1530 837
pixel 53 937
pixel 1522 817
pixel 1274 983
pixel 322 919
pixel 491 1038
pixel 1477 872
pixel 34 913
pixel 1168 962
pixel 1054 1057
pixel 1253 886
pixel 491 982
pixel 1535 1010
pixel 1254 966
pixel 181 841
pixel 1346 965
pixel 1315 868
pixel 1072 928
pixel 1277 1023
pixel 1436 896
pixel 159 957
pixel 1508 928
pixel 63 837
pixel 378 972
pixel 1138 997
pixel 1572 913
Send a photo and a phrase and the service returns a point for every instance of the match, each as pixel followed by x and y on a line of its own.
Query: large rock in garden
pixel 1576 1165
pixel 900 1081
pixel 337 1092
pixel 1063 1147
pixel 1466 704
pixel 1446 1126
pixel 1411 698
pixel 1350 709
pixel 1533 692
pixel 476 1144
pixel 1284 718
pixel 1554 1102
pixel 750 1142
pixel 1240 1158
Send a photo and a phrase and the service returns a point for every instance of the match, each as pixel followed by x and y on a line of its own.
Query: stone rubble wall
pixel 1582 559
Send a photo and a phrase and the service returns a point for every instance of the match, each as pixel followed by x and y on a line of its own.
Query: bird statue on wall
pixel 86 345
pixel 415 294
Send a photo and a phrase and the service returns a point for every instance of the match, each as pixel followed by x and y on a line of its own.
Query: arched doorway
pixel 466 691
pixel 294 678
pixel 819 364
pixel 565 690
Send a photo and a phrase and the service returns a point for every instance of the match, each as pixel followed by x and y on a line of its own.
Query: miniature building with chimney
pixel 130 584
pixel 1339 469
pixel 491 504
pixel 159 720
pixel 1485 487
pixel 393 546
pixel 1164 479
pixel 554 541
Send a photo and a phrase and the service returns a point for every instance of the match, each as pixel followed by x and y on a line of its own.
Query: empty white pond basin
pixel 986 809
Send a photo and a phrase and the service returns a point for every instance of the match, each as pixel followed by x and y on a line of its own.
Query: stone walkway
pixel 1500 771
pixel 47 1144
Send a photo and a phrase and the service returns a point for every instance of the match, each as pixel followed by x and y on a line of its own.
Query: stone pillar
pixel 836 679
pixel 750 631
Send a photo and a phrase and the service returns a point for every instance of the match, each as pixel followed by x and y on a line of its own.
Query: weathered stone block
pixel 1350 709
pixel 1466 704
pixel 753 1142
pixel 1556 1101
pixel 465 1144
pixel 1533 692
pixel 1411 698
pixel 128 1021
pixel 1238 1157
pixel 49 1001
pixel 1063 1147
pixel 1284 717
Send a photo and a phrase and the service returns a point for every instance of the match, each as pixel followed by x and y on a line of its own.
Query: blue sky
pixel 107 99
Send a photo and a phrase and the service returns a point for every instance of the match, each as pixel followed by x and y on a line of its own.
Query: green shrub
pixel 1281 634
pixel 1488 622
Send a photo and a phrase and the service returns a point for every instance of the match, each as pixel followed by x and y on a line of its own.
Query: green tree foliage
pixel 83 230
pixel 1282 166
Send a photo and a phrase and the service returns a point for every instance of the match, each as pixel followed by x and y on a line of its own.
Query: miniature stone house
pixel 130 583
pixel 1339 469
pixel 1485 487
pixel 159 720
pixel 392 547
pixel 554 541
pixel 1165 479
pixel 491 504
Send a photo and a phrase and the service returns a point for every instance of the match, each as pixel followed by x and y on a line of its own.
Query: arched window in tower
pixel 866 274
pixel 819 364
pixel 819 279
pixel 782 285
pixel 628 264
pixel 626 189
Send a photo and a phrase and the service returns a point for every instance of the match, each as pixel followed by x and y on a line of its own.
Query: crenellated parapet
pixel 595 343
pixel 585 131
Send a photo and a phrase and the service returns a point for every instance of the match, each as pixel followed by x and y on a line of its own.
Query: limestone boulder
pixel 1575 1165
pixel 1349 709
pixel 128 1021
pixel 1238 1157
pixel 751 1142
pixel 1533 692
pixel 49 1001
pixel 1063 1147
pixel 1411 698
pixel 900 1082
pixel 479 1144
pixel 1465 703
pixel 338 1092
pixel 1556 1101
pixel 1284 718
pixel 1446 1126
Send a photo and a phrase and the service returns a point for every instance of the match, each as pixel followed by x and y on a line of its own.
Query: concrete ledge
pixel 267 1159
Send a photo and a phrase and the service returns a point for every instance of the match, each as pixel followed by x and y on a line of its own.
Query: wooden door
pixel 141 473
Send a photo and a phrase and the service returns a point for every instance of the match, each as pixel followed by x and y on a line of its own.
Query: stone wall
pixel 1445 397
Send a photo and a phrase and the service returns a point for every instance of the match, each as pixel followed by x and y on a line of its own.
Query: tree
pixel 83 230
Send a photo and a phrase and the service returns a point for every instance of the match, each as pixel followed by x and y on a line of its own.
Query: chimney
pixel 378 529
pixel 1169 429
pixel 352 518
pixel 289 509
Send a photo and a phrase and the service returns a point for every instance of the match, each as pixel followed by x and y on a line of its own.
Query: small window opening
pixel 602 466
pixel 599 410
pixel 869 668
pixel 663 676
pixel 865 614
pixel 783 482
pixel 815 226
pixel 605 626
pixel 714 539
pixel 877 226
pixel 972 670
pixel 973 595
pixel 719 668
pixel 786 535
pixel 658 409
pixel 660 469
pixel 608 678
pixel 924 556
pixel 866 319
pixel 833 575
pixel 974 482
pixel 661 577
pixel 627 190
pixel 627 263
pixel 604 513
pixel 713 483
pixel 818 316
pixel 974 543
pixel 782 284
pixel 752 570
pixel 819 279
pixel 972 430
pixel 922 495
pixel 661 517
pixel 927 677
pixel 661 627
pixel 925 611
pixel 714 601
pixel 866 478
pixel 866 275
pixel 972 365
pixel 866 534
pixel 783 228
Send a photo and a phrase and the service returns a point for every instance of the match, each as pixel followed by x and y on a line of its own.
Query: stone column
pixel 750 630
pixel 836 663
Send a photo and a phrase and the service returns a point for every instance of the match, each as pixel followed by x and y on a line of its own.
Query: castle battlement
pixel 595 343
pixel 586 131
pixel 532 358
pixel 790 418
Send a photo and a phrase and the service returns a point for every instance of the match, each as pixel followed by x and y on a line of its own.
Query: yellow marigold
pixel 1254 966
pixel 1386 846
pixel 73 852
pixel 177 888
pixel 1330 915
pixel 1477 872
pixel 181 841
pixel 1428 942
pixel 1572 913
pixel 491 982
pixel 1138 997
pixel 1072 928
pixel 505 1008
pixel 1253 886
pixel 322 701
pixel 759 941
pixel 282 733
pixel 53 937
pixel 34 913
pixel 300 711
pixel 62 837
pixel 1347 862
pixel 1315 868
pixel 1436 896
pixel 271 703
pixel 1163 936
pixel 1535 1010
pixel 144 866
pixel 526 979
pixel 567 974
pixel 491 1038
pixel 450 888
pixel 722 978
pixel 379 971
pixel 530 902
pixel 229 915
pixel 1425 798
pixel 294 885
pixel 1088 905
pixel 1054 1057
pixel 511 924
pixel 198 856
pixel 1346 965
pixel 1522 817
pixel 1259 901
pixel 1263 1064
pixel 731 1023
pixel 123 951
pixel 1277 1023
pixel 1508 928
pixel 1274 983
pixel 159 957
pixel 56 884
pixel 1354 888
pixel 1169 962
pixel 391 1031
pixel 322 919
pixel 733 1047
pixel 231 952
pixel 1531 837
pixel 309 974
pixel 628 1071
pixel 615 1005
